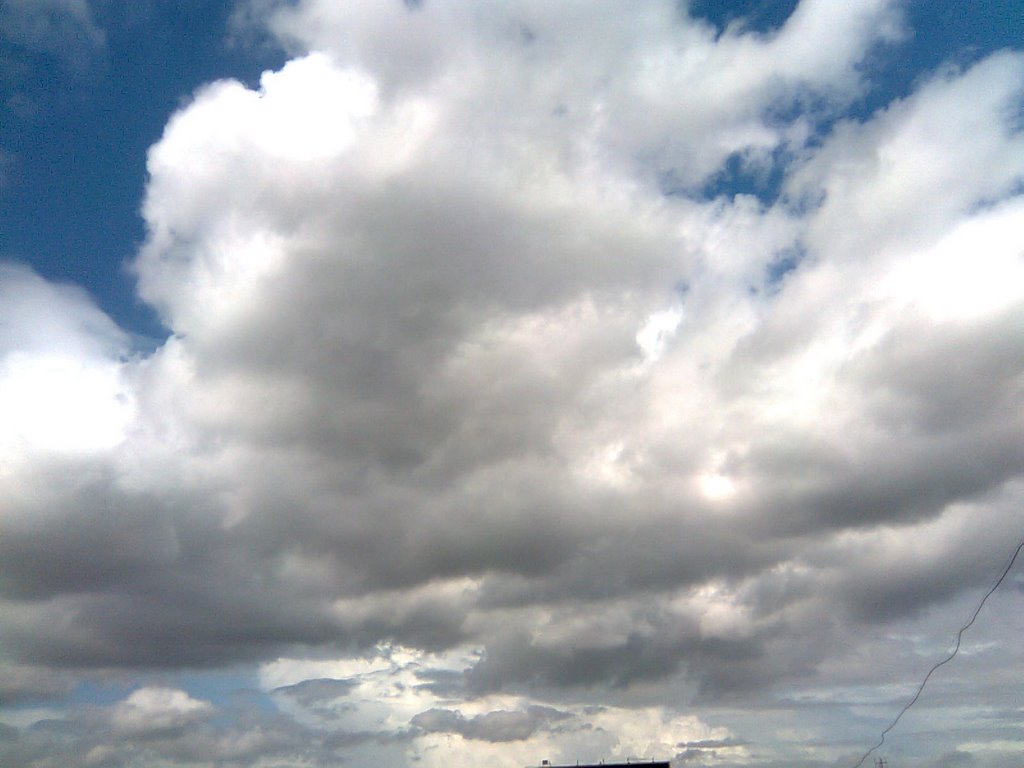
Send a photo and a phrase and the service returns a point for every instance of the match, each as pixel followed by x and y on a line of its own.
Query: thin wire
pixel 949 658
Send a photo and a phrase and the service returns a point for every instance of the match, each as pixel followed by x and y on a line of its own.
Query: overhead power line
pixel 960 634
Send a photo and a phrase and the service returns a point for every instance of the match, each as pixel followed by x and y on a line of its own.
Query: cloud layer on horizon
pixel 483 430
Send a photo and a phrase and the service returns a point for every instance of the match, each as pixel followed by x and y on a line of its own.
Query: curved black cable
pixel 949 658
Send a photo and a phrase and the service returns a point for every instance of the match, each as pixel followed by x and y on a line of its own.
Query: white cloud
pixel 453 379
pixel 153 710
pixel 63 383
pixel 608 81
pixel 657 331
pixel 897 181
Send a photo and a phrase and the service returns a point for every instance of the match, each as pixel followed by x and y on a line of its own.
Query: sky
pixel 449 383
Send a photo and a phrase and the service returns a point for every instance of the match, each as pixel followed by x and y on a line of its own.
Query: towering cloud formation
pixel 485 424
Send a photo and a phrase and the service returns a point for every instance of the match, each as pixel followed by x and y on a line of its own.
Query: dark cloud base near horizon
pixel 468 441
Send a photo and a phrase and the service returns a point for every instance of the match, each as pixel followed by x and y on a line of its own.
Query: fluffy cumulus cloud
pixel 485 432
